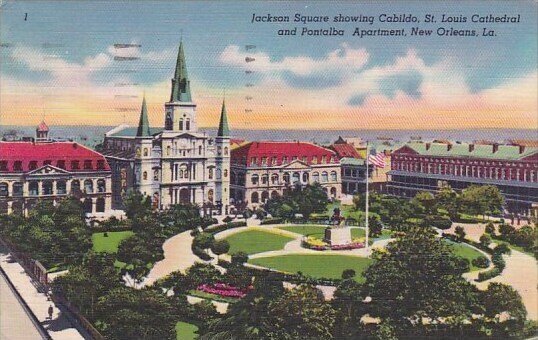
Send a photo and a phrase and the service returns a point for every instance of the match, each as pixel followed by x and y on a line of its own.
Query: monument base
pixel 337 236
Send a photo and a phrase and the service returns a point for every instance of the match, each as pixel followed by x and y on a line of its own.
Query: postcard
pixel 268 169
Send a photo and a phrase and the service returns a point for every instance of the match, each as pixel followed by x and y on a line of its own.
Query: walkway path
pixel 60 327
pixel 177 256
pixel 15 323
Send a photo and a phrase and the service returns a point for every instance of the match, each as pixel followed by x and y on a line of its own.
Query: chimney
pixel 521 149
pixel 448 146
pixel 495 147
pixel 471 147
pixel 428 146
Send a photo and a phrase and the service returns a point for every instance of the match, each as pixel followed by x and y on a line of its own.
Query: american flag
pixel 378 159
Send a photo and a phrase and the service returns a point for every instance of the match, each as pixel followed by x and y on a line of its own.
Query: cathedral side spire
pixel 224 130
pixel 143 124
pixel 181 90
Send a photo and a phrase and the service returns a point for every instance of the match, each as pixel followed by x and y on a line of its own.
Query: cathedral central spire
pixel 181 90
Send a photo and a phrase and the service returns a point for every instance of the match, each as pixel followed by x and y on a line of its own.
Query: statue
pixel 337 233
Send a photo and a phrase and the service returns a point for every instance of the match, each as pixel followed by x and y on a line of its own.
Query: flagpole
pixel 367 176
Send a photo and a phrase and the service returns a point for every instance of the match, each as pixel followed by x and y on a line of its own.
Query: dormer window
pixel 60 164
pixel 87 164
pixel 323 159
pixel 17 166
pixel 47 162
pixel 285 159
pixel 253 161
pixel 75 165
pixel 32 165
pixel 100 164
pixel 3 165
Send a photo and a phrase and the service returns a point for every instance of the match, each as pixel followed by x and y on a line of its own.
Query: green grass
pixel 319 266
pixel 318 231
pixel 186 331
pixel 109 244
pixel 465 251
pixel 256 241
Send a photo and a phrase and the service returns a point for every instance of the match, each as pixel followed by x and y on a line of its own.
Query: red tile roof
pixel 345 150
pixel 27 152
pixel 245 153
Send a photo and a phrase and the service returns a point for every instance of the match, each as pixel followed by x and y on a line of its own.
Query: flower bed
pixel 222 289
pixel 320 245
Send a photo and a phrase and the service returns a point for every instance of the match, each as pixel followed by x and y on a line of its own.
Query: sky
pixel 58 62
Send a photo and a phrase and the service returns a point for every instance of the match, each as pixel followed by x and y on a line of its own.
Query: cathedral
pixel 174 164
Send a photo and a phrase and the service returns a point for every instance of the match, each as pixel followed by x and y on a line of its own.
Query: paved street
pixel 15 323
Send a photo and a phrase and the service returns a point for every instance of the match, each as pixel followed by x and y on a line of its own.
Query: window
pixel 304 159
pixel 181 124
pixel 219 150
pixel 254 198
pixel 323 159
pixel 33 188
pixel 324 176
pixel 61 188
pixel 285 159
pixel 17 189
pixel 294 158
pixel 225 173
pixel 60 164
pixel 3 165
pixel 264 161
pixel 88 186
pixel 255 179
pixel 155 175
pixel 314 160
pixel 305 177
pixel 296 177
pixel 188 124
pixel 47 162
pixel 17 166
pixel 286 178
pixel 273 160
pixel 334 176
pixel 253 161
pixel 168 149
pixel 145 151
pixel 145 175
pixel 274 179
pixel 4 191
pixel 210 173
pixel 225 151
pixel 199 150
pixel 87 164
pixel 32 165
pixel 265 179
pixel 100 164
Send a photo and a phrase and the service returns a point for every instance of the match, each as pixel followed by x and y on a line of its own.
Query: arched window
pixel 168 149
pixel 305 177
pixel 225 173
pixel 75 186
pixel 255 179
pixel 88 206
pixel 88 186
pixel 324 176
pixel 181 124
pixel 145 175
pixel 265 196
pixel 101 185
pixel 145 151
pixel 199 150
pixel 286 177
pixel 188 124
pixel 225 151
pixel 296 177
pixel 265 179
pixel 47 187
pixel 274 194
pixel 334 176
pixel 33 187
pixel 315 177
pixel 210 173
pixel 155 175
pixel 274 179
pixel 4 189
pixel 17 189
pixel 254 198
pixel 100 205
pixel 210 195
pixel 219 150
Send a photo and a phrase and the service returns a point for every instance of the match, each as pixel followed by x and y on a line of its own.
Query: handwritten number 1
pixel 25 16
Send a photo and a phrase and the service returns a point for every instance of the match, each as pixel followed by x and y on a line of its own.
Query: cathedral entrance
pixel 184 196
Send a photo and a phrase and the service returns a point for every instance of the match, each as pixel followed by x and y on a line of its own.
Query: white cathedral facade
pixel 176 164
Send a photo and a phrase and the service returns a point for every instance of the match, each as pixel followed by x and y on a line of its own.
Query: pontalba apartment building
pixel 260 170
pixel 513 169
pixel 175 164
pixel 49 170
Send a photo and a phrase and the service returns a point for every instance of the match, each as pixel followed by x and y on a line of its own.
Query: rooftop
pixel 506 152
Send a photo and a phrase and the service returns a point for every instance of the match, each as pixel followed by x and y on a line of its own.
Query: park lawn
pixel 256 241
pixel 186 331
pixel 318 266
pixel 102 244
pixel 465 251
pixel 319 230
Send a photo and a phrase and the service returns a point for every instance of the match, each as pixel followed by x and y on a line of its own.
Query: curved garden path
pixel 177 256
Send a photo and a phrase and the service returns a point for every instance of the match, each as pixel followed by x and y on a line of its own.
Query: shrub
pixel 488 274
pixel 227 219
pixel 506 229
pixel 274 220
pixel 481 262
pixel 348 274
pixel 485 240
pixel 220 247
pixel 239 258
pixel 498 262
pixel 200 253
pixel 490 228
pixel 460 232
pixel 221 227
pixel 502 249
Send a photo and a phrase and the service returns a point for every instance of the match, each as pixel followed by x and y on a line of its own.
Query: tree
pixel 481 200
pixel 348 274
pixel 425 202
pixel 126 313
pixel 305 200
pixel 504 311
pixel 350 308
pixel 239 258
pixel 201 273
pixel 301 313
pixel 490 228
pixel 460 232
pixel 448 200
pixel 419 277
pixel 135 204
pixel 506 230
pixel 437 221
pixel 375 227
pixel 220 247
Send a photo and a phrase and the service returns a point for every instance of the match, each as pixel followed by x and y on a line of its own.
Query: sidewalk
pixel 60 326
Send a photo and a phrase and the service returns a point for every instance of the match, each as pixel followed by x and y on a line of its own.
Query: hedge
pixel 200 253
pixel 488 274
pixel 480 262
pixel 273 220
pixel 221 227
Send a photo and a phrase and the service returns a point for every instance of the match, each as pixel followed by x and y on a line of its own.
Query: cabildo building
pixel 177 163
pixel 428 166
pixel 260 170
pixel 49 170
